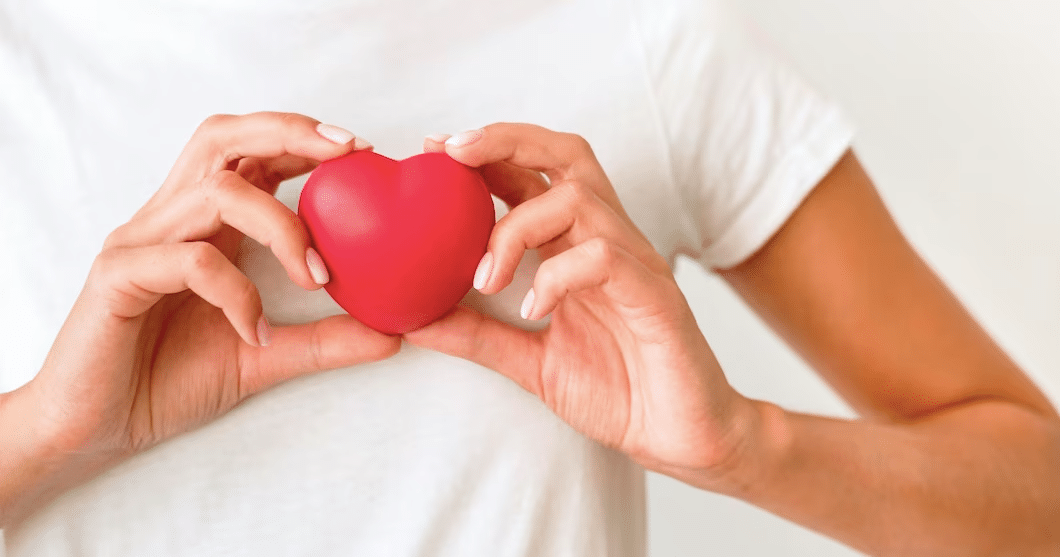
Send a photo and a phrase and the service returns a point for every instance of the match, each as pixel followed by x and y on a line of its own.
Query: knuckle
pixel 577 145
pixel 386 348
pixel 547 275
pixel 247 295
pixel 600 251
pixel 116 237
pixel 315 348
pixel 577 194
pixel 202 258
pixel 288 119
pixel 285 229
pixel 104 265
pixel 286 237
pixel 221 183
pixel 212 122
pixel 214 190
pixel 209 134
pixel 287 220
pixel 294 229
pixel 505 232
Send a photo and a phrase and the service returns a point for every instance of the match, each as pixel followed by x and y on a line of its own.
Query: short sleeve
pixel 748 137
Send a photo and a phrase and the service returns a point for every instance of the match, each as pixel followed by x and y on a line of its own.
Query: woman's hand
pixel 622 359
pixel 167 333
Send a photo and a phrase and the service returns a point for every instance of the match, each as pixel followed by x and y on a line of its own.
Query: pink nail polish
pixel 335 134
pixel 482 273
pixel 464 138
pixel 317 269
pixel 528 305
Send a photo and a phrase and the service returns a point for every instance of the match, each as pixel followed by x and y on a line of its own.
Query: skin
pixel 166 334
pixel 957 454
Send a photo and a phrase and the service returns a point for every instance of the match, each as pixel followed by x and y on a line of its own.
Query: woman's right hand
pixel 167 333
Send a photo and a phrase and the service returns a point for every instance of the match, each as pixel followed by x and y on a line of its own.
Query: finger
pixel 560 156
pixel 524 145
pixel 512 184
pixel 435 143
pixel 596 263
pixel 223 139
pixel 226 198
pixel 569 211
pixel 266 174
pixel 228 240
pixel 468 334
pixel 131 280
pixel 298 350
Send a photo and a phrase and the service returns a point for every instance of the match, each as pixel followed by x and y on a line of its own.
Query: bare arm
pixel 958 454
pixel 167 333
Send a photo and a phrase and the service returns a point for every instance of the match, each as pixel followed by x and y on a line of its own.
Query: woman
pixel 711 149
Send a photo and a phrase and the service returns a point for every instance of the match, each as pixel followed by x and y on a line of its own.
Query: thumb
pixel 297 350
pixel 468 334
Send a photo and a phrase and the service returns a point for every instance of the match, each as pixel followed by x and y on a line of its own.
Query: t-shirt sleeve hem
pixel 804 166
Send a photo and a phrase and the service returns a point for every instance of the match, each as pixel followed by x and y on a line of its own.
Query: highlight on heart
pixel 401 239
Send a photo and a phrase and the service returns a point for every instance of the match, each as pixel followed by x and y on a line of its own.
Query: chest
pixel 98 113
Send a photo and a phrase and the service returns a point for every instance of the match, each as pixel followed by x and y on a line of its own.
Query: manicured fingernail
pixel 464 138
pixel 439 137
pixel 264 331
pixel 316 266
pixel 528 305
pixel 482 273
pixel 335 134
pixel 361 144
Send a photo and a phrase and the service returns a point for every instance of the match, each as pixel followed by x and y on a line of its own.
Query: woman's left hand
pixel 622 359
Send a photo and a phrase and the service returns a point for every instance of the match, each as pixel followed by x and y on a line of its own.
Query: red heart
pixel 401 239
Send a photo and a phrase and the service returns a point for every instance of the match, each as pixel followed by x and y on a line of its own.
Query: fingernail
pixel 316 266
pixel 360 144
pixel 482 273
pixel 528 305
pixel 464 138
pixel 335 134
pixel 264 331
pixel 439 137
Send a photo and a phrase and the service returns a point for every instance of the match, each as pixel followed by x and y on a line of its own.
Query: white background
pixel 956 103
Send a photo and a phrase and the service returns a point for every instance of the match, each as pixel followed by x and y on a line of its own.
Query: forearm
pixel 22 467
pixel 34 467
pixel 977 479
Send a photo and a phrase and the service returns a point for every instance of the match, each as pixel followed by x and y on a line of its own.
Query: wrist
pixel 38 458
pixel 761 438
pixel 768 441
pixel 25 461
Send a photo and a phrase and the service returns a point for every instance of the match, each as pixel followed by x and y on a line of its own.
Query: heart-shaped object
pixel 401 239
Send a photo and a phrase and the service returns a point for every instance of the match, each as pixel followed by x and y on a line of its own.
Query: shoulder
pixel 748 136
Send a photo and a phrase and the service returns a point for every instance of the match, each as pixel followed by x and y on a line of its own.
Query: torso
pixel 421 454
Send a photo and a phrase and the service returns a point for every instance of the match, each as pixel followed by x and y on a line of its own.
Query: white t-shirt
pixel 709 140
